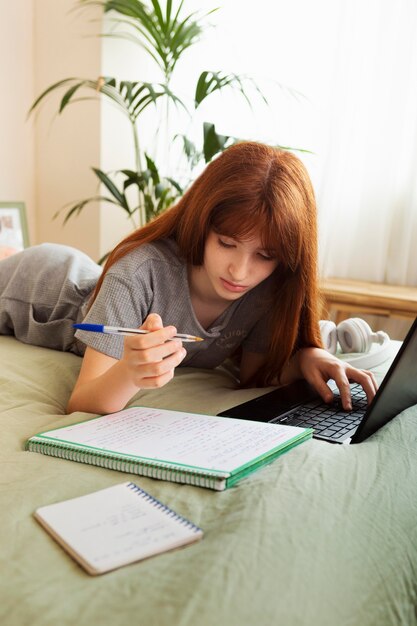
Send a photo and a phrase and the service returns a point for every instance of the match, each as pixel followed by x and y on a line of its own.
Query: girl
pixel 234 262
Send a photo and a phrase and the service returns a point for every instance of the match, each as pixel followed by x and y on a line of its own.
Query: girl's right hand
pixel 106 384
pixel 150 360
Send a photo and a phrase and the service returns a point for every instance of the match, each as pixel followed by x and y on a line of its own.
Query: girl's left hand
pixel 317 366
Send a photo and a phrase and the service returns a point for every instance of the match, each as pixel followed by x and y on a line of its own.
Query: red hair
pixel 251 188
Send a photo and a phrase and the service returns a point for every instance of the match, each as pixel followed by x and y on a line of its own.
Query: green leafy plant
pixel 165 33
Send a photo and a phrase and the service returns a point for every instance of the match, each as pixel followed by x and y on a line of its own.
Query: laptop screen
pixel 397 392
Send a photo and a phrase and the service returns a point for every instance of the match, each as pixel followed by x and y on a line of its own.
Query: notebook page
pixel 115 526
pixel 202 441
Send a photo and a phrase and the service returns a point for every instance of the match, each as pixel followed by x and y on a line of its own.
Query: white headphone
pixel 355 335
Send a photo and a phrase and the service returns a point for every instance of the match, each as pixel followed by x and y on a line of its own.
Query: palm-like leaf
pixel 131 97
pixel 109 184
pixel 156 193
pixel 213 142
pixel 209 82
pixel 76 208
pixel 164 34
pixel 193 154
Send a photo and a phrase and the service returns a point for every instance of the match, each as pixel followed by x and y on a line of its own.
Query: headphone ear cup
pixel 328 335
pixel 354 335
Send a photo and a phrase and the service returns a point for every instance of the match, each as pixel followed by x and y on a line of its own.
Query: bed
pixel 325 535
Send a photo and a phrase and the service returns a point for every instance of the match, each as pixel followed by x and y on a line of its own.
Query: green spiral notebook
pixel 203 450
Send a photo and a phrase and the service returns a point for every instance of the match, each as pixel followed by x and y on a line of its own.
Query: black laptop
pixel 299 405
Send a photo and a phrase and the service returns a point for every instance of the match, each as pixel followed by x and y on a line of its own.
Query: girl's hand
pixel 317 366
pixel 105 384
pixel 150 360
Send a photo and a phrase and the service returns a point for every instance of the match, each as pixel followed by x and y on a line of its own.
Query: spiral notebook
pixel 116 526
pixel 203 450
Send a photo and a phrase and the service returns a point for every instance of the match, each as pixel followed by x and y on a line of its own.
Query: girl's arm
pixel 106 385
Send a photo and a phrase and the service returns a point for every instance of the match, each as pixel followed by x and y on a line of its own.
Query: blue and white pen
pixel 115 330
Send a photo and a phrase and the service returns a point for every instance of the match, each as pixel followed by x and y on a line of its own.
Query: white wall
pixel 66 146
pixel 46 160
pixel 17 143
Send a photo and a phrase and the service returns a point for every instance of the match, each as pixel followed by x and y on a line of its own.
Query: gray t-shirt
pixel 153 279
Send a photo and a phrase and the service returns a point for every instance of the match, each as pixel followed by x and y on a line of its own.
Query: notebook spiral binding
pixel 124 464
pixel 163 507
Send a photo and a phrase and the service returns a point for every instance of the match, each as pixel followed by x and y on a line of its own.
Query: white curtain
pixel 367 192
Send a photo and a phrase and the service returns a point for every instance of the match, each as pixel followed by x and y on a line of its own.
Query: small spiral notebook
pixel 116 526
pixel 203 450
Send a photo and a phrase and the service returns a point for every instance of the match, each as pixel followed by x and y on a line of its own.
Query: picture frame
pixel 14 235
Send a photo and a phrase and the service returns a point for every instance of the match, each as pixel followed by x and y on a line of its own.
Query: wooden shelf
pixel 345 297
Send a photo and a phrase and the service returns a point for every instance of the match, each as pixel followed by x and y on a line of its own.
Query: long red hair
pixel 252 188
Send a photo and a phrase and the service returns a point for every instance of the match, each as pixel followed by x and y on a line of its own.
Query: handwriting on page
pixel 198 440
pixel 116 526
pixel 130 527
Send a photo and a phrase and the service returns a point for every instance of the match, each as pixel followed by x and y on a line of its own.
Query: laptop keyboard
pixel 329 420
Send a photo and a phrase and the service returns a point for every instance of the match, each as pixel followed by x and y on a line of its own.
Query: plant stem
pixel 166 137
pixel 141 204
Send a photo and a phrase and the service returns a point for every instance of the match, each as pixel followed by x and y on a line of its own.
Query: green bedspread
pixel 325 535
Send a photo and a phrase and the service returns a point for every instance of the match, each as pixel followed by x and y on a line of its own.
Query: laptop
pixel 298 404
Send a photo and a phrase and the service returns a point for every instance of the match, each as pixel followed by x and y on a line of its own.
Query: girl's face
pixel 232 267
